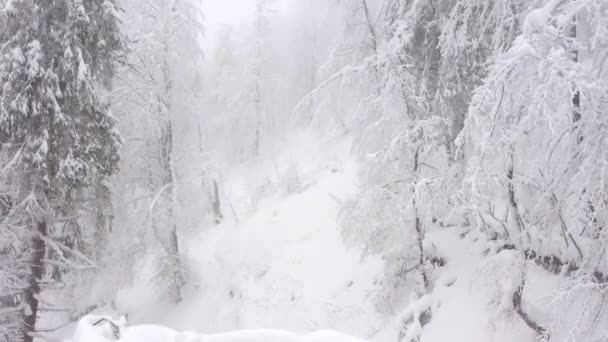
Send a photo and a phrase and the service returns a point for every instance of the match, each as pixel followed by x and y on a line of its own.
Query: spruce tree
pixel 58 141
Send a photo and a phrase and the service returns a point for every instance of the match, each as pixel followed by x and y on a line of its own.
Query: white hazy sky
pixel 239 14
pixel 232 12
pixel 236 13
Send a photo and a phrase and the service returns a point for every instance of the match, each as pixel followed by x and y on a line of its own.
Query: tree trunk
pixel 178 278
pixel 103 218
pixel 418 226
pixel 576 98
pixel 215 202
pixel 36 273
pixel 258 76
pixel 456 124
pixel 517 306
pixel 170 200
pixel 370 26
pixel 258 115
pixel 168 167
pixel 514 207
pixel 374 43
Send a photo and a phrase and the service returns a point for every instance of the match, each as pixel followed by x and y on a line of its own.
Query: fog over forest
pixel 303 170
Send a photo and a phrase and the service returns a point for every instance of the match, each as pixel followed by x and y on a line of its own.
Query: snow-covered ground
pixel 95 328
pixel 280 263
pixel 283 267
pixel 473 294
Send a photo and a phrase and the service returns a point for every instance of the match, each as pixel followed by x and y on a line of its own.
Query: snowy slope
pixel 471 291
pixel 471 299
pixel 283 265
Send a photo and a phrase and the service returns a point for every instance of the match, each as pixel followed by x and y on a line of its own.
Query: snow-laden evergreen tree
pixel 58 140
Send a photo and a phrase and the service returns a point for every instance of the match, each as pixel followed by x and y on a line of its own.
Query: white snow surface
pixel 88 331
pixel 284 268
pixel 283 265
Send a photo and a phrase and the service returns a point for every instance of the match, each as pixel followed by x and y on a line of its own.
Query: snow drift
pixel 93 328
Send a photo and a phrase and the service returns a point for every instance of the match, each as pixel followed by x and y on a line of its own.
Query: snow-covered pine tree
pixel 58 140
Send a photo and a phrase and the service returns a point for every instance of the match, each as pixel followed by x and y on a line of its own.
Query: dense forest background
pixel 154 158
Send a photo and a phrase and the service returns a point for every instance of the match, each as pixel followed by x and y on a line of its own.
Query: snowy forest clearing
pixel 268 277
